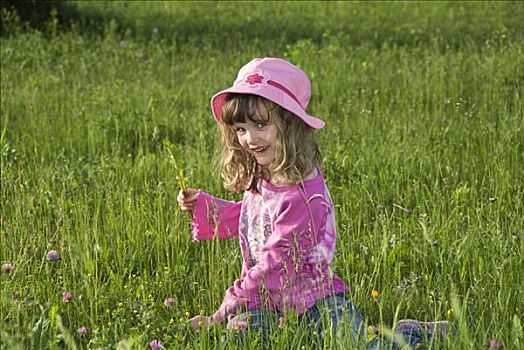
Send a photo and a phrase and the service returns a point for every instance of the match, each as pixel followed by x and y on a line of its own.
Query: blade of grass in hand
pixel 170 148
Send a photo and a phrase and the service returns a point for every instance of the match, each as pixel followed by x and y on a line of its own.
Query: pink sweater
pixel 287 238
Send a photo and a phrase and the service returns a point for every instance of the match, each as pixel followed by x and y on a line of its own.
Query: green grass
pixel 424 124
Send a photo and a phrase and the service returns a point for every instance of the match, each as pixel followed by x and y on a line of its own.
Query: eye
pixel 240 130
pixel 261 125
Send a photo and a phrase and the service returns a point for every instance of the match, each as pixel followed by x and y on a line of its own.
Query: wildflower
pixel 374 293
pixel 155 345
pixel 122 43
pixel 281 321
pixel 7 267
pixel 66 297
pixel 449 313
pixel 155 30
pixel 373 329
pixel 52 255
pixel 82 330
pixel 492 199
pixel 492 343
pixel 169 302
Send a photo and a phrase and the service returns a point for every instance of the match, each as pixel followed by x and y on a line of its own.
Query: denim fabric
pixel 329 317
pixel 257 321
pixel 335 316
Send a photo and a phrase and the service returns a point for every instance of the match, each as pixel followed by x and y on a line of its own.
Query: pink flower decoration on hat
pixel 254 79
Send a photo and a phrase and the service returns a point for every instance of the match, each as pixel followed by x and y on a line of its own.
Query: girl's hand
pixel 186 199
pixel 198 322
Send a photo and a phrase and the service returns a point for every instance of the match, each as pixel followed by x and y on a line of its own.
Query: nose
pixel 250 137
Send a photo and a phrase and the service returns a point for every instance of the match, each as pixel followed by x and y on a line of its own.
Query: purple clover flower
pixel 492 343
pixel 82 330
pixel 7 267
pixel 169 302
pixel 155 345
pixel 52 255
pixel 66 297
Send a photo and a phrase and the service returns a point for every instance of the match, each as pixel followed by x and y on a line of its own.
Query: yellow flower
pixel 374 293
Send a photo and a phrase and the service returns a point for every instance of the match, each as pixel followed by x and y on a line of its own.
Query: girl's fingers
pixel 198 322
pixel 186 199
pixel 188 207
pixel 189 195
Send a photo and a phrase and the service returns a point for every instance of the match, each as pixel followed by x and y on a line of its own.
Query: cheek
pixel 272 137
pixel 241 140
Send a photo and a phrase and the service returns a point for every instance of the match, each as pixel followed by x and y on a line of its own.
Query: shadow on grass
pixel 224 25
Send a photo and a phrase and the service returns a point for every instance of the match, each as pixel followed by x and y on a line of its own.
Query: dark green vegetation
pixel 423 152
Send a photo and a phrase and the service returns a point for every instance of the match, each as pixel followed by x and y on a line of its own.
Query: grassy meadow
pixel 423 152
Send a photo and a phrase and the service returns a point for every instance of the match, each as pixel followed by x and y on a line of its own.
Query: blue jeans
pixel 334 316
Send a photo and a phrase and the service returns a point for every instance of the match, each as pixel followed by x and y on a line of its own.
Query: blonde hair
pixel 296 153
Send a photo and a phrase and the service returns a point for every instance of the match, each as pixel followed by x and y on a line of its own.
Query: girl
pixel 286 219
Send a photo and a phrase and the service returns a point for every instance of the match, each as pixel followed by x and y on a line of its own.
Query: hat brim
pixel 269 92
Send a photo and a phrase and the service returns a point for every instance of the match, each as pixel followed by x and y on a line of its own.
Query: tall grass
pixel 423 152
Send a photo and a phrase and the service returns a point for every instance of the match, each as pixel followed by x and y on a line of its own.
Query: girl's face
pixel 258 138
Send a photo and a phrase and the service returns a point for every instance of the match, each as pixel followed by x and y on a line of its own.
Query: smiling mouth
pixel 259 149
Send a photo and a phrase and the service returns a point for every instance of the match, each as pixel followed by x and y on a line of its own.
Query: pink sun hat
pixel 276 80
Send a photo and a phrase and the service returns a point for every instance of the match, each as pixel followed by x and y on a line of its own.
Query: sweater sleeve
pixel 283 255
pixel 215 218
